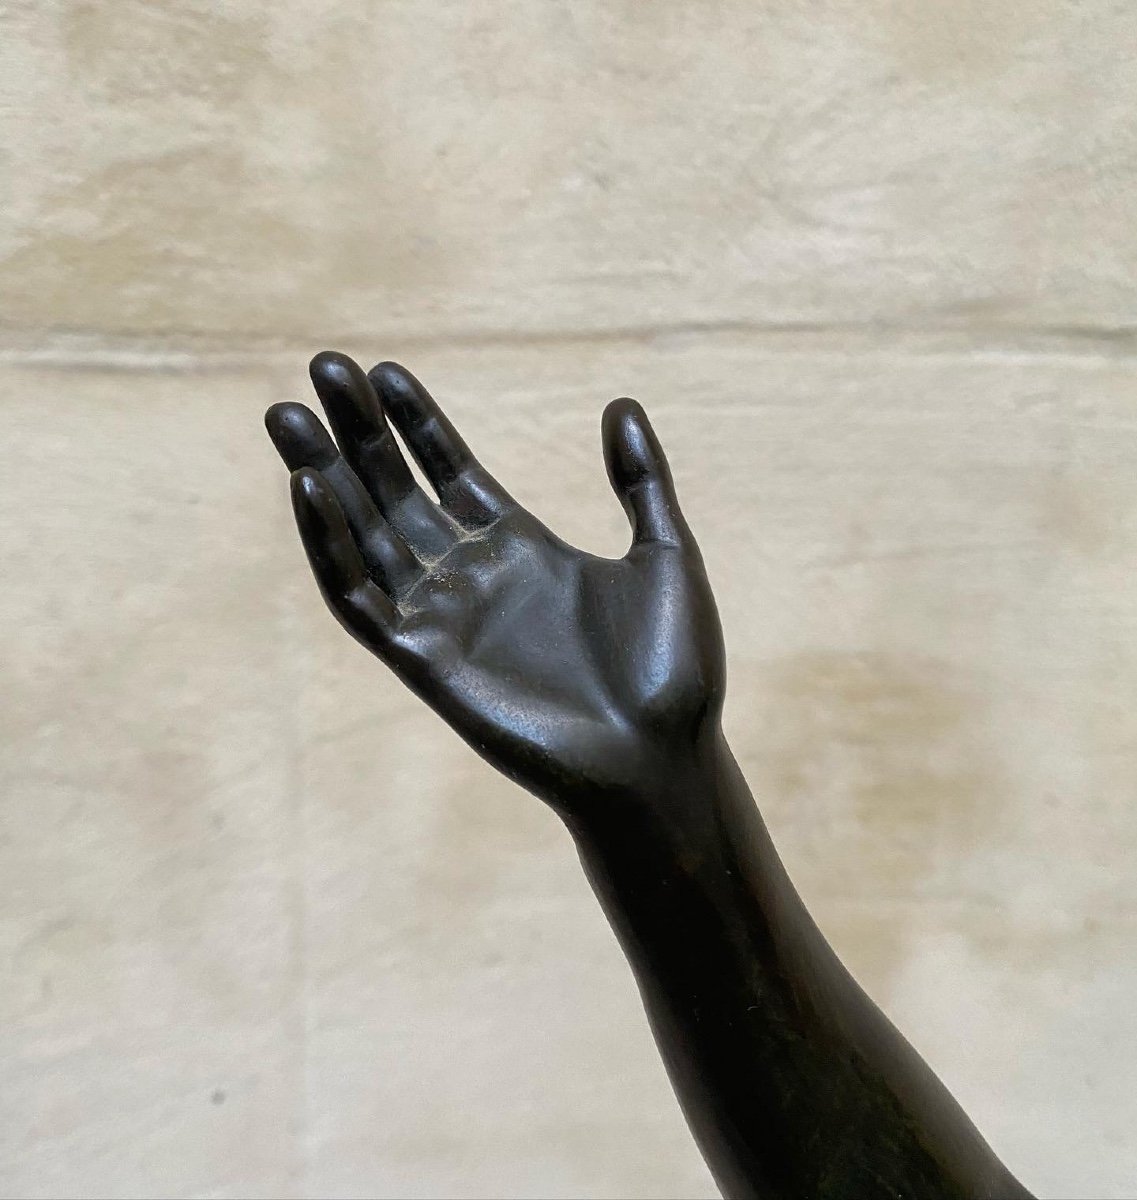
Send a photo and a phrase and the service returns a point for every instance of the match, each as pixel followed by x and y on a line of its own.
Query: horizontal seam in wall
pixel 191 352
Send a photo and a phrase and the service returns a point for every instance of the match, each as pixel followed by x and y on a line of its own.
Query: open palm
pixel 568 671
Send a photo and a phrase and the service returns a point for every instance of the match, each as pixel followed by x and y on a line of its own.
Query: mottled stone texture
pixel 266 927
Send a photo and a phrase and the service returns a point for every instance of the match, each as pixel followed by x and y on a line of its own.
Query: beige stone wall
pixel 266 926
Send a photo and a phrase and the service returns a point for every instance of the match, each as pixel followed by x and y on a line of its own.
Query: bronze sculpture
pixel 598 684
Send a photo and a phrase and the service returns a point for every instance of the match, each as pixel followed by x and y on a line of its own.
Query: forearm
pixel 794 1083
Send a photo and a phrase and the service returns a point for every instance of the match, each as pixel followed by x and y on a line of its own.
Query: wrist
pixel 689 831
pixel 675 797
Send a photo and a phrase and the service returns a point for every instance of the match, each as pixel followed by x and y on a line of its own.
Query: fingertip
pixel 624 408
pixel 320 518
pixel 273 416
pixel 391 379
pixel 330 364
pixel 639 473
pixel 387 367
pixel 307 486
pixel 298 435
pixel 629 442
pixel 333 372
pixel 332 552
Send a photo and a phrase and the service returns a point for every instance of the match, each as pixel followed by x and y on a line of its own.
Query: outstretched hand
pixel 598 684
pixel 576 675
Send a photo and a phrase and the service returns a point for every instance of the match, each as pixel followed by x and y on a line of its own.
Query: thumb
pixel 640 475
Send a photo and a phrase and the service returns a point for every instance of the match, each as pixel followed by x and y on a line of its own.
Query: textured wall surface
pixel 266 926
